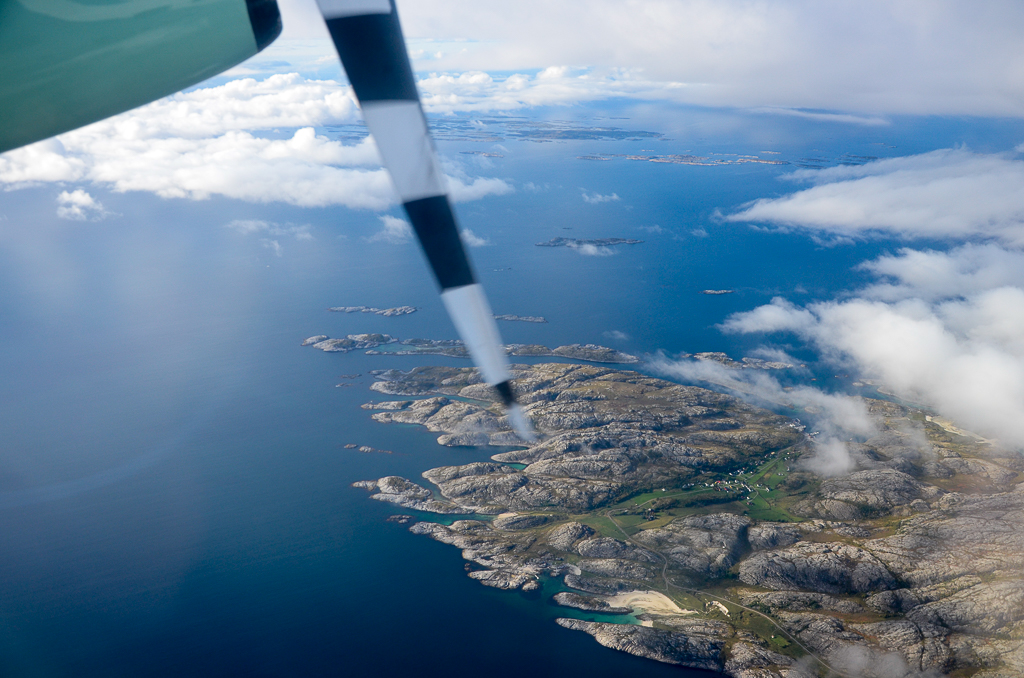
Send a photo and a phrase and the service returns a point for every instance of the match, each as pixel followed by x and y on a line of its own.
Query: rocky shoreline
pixel 911 565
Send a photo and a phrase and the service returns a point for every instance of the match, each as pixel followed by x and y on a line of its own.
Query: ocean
pixel 174 484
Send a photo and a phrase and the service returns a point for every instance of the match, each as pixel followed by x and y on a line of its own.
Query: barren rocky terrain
pixel 913 564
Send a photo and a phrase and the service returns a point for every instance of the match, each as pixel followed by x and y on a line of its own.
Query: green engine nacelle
pixel 67 63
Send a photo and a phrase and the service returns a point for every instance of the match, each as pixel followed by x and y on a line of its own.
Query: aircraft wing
pixel 68 63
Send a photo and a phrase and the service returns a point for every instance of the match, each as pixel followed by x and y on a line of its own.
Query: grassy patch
pixel 604 526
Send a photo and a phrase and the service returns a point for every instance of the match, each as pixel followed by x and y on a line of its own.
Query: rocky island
pixel 521 318
pixel 598 242
pixel 387 312
pixel 691 508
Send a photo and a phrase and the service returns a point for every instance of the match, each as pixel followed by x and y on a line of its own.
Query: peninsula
pixel 692 509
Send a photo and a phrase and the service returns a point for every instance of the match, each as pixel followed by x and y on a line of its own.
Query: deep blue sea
pixel 174 488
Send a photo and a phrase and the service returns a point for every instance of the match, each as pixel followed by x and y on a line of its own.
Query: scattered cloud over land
pixel 940 328
pixel 838 417
pixel 945 194
pixel 78 205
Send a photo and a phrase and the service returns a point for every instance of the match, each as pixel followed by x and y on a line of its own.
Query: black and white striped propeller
pixel 369 41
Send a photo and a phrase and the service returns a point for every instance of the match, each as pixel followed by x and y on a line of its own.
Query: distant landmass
pixel 398 310
pixel 454 348
pixel 521 318
pixel 692 510
pixel 686 159
pixel 598 242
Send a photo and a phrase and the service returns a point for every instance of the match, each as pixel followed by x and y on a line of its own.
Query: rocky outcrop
pixel 605 547
pixel 564 536
pixel 349 343
pixel 964 535
pixel 764 536
pixel 409 495
pixel 707 545
pixel 516 521
pixel 588 603
pixel 795 601
pixel 699 649
pixel 867 493
pixel 834 568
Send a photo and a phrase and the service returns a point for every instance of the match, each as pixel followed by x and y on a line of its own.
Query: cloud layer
pixel 226 141
pixel 956 347
pixel 951 193
pixel 873 56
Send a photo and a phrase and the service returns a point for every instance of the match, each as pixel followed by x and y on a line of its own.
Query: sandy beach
pixel 648 601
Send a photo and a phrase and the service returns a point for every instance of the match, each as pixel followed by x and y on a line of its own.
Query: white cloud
pixel 932 275
pixel 253 226
pixel 956 345
pixel 837 417
pixel 79 206
pixel 616 335
pixel 208 142
pixel 477 188
pixel 45 161
pixel 589 250
pixel 476 91
pixel 597 198
pixel 950 193
pixel 395 231
pixel 874 56
pixel 272 245
pixel 778 316
pixel 473 240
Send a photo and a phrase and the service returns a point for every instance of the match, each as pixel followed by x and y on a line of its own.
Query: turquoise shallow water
pixel 174 488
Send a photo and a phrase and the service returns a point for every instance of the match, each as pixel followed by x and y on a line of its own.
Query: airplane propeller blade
pixel 369 41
